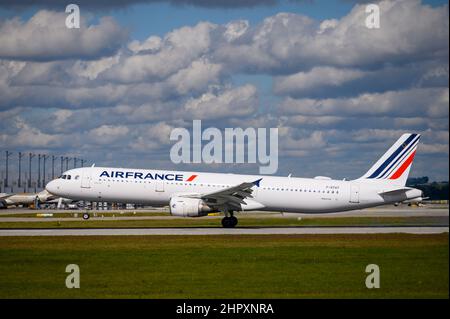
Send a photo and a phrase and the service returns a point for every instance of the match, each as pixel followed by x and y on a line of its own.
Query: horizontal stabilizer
pixel 394 191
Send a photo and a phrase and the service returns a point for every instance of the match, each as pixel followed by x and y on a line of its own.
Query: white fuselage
pixel 27 198
pixel 286 194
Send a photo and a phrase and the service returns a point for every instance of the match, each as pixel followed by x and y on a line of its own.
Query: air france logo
pixel 146 176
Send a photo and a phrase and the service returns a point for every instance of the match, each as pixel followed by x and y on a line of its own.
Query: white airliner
pixel 24 199
pixel 194 194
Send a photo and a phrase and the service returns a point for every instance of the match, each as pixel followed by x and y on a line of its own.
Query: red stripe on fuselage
pixel 404 166
pixel 191 178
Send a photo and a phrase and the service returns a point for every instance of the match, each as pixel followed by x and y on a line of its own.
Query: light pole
pixel 45 159
pixel 31 155
pixel 25 182
pixel 75 162
pixel 53 166
pixel 20 169
pixel 8 154
pixel 68 159
pixel 62 163
pixel 39 171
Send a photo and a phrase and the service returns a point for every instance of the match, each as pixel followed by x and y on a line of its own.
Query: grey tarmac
pixel 224 231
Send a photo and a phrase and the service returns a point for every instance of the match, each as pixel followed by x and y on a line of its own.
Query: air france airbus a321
pixel 194 194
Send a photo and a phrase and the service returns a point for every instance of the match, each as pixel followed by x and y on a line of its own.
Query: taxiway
pixel 224 231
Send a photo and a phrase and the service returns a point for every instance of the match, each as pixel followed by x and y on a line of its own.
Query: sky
pixel 339 93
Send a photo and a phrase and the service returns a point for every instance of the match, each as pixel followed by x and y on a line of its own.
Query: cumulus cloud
pixel 317 77
pixel 45 37
pixel 434 148
pixel 431 103
pixel 178 50
pixel 235 29
pixel 150 45
pixel 236 102
pixel 107 134
pixel 47 73
pixel 198 76
pixel 28 136
pixel 288 43
pixel 152 138
pixel 350 152
pixel 303 142
pixel 332 82
pixel 314 121
pixel 338 87
pixel 189 60
pixel 105 4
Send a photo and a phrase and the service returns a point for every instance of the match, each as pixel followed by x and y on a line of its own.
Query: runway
pixel 224 231
pixel 430 211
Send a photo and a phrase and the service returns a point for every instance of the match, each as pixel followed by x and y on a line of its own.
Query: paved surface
pixel 382 212
pixel 386 211
pixel 54 219
pixel 21 210
pixel 223 231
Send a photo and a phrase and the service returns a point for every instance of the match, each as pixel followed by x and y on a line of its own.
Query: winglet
pixel 256 183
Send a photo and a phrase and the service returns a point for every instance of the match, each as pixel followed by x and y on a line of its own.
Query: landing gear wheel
pixel 234 221
pixel 226 222
pixel 86 216
pixel 229 222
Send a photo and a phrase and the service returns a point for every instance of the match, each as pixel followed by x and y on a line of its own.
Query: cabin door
pixel 354 194
pixel 86 178
pixel 159 186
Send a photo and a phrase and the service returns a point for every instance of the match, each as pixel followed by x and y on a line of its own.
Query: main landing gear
pixel 229 221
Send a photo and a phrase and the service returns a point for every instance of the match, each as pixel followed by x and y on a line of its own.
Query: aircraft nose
pixel 52 187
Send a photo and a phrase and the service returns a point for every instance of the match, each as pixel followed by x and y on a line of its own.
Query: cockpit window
pixel 63 177
pixel 77 176
pixel 68 176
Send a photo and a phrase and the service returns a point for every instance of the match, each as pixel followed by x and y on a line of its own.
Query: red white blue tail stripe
pixel 397 160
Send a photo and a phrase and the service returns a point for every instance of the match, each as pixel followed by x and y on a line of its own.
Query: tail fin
pixel 395 164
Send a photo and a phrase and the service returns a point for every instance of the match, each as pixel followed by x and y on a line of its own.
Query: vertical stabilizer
pixel 395 164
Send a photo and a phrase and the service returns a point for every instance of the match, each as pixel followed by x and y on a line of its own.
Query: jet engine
pixel 188 207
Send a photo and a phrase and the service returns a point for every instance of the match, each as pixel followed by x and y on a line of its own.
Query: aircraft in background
pixel 24 198
pixel 410 202
pixel 61 202
pixel 195 194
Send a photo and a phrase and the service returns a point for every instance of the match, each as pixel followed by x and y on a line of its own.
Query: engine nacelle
pixel 188 207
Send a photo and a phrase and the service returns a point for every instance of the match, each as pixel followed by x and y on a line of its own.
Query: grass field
pixel 243 222
pixel 268 266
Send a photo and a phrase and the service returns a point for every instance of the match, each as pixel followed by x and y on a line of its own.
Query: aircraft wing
pixel 230 198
